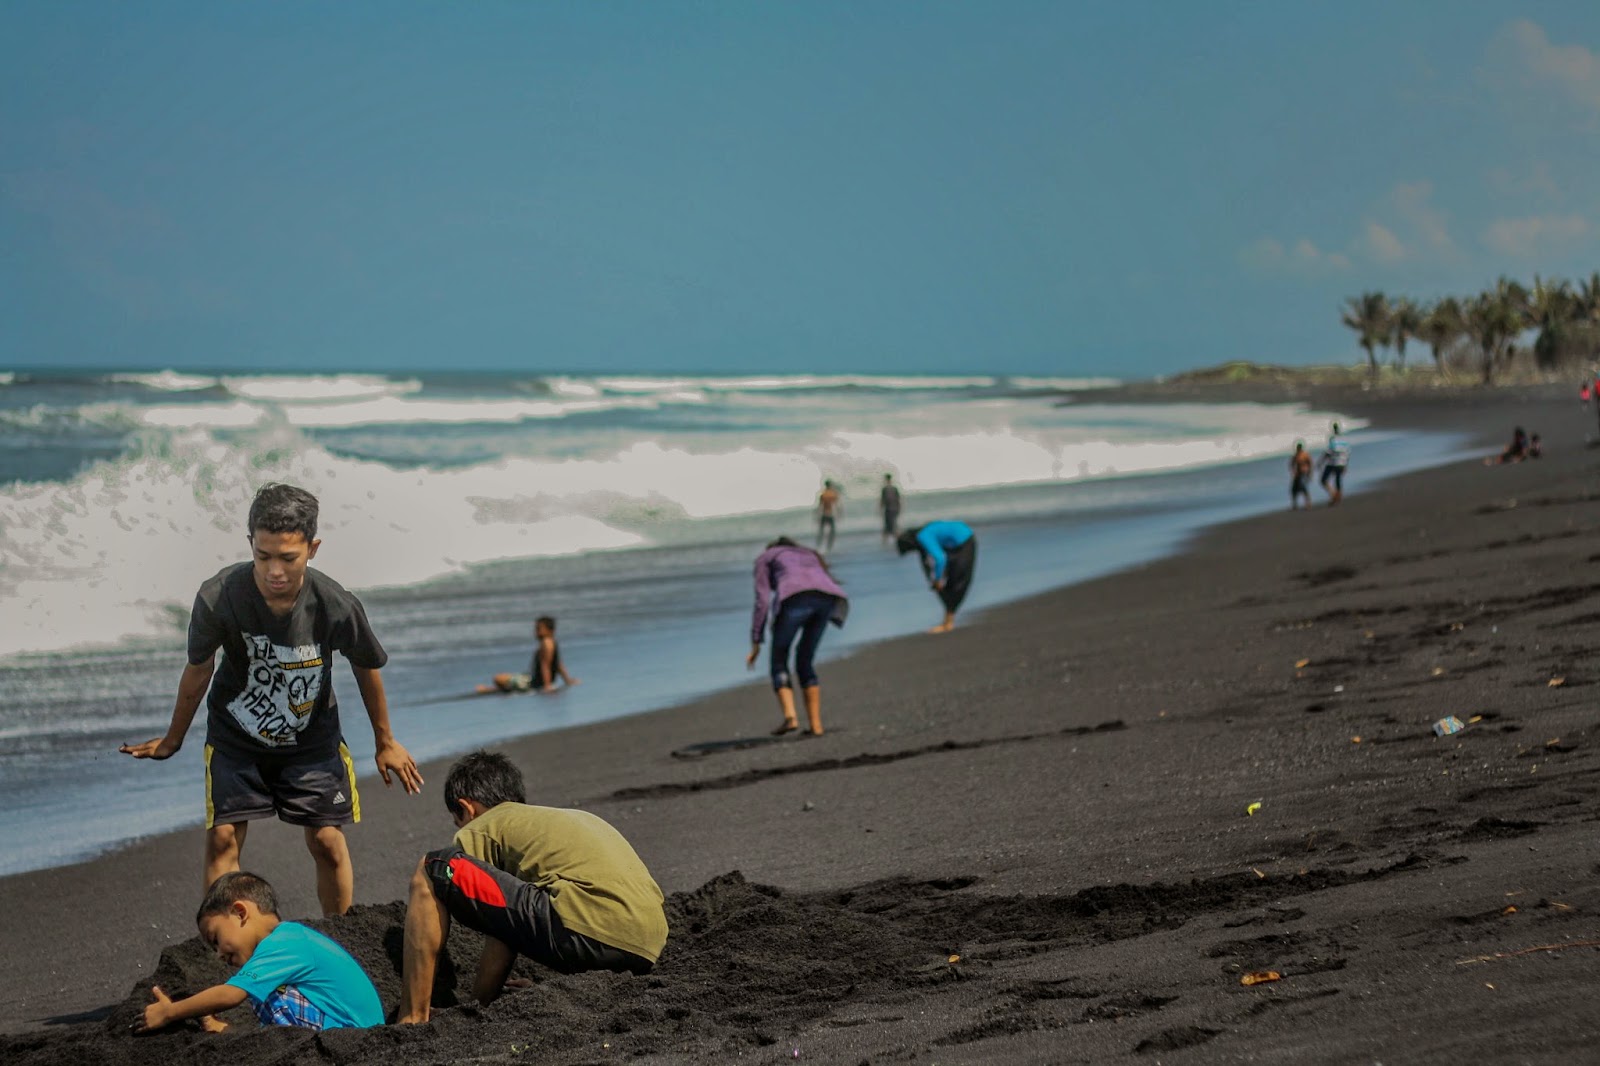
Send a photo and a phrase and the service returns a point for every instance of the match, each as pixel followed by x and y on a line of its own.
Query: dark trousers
pixel 959 564
pixel 805 614
pixel 519 915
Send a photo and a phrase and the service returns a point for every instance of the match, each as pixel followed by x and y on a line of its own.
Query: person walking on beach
pixel 794 586
pixel 545 668
pixel 273 741
pixel 1299 476
pixel 1334 461
pixel 949 554
pixel 889 504
pixel 829 508
pixel 559 886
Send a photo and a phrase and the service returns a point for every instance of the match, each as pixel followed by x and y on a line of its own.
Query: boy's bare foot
pixel 942 627
pixel 789 726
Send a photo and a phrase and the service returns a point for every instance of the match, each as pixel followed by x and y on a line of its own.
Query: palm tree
pixel 1440 327
pixel 1404 322
pixel 1552 309
pixel 1368 315
pixel 1589 297
pixel 1492 322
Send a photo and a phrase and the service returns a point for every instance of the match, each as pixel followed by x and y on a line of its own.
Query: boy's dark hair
pixel 484 777
pixel 237 887
pixel 280 508
pixel 907 541
pixel 546 621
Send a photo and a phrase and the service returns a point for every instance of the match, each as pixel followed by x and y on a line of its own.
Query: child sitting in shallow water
pixel 545 667
pixel 291 975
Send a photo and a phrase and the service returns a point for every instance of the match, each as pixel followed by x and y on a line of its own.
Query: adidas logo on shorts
pixel 338 797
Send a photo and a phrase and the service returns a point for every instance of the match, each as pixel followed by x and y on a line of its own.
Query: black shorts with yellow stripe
pixel 309 792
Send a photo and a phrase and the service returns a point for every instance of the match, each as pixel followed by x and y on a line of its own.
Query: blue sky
pixel 1127 188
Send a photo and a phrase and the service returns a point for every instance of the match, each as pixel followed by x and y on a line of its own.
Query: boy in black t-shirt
pixel 273 742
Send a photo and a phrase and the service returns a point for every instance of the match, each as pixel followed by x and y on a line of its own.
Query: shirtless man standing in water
pixel 828 509
pixel 1300 476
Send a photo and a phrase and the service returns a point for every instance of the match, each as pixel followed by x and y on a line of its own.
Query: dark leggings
pixel 806 614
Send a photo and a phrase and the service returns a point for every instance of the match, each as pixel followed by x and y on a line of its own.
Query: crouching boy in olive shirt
pixel 559 886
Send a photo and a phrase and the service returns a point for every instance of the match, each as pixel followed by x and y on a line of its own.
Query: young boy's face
pixel 234 934
pixel 281 560
pixel 542 631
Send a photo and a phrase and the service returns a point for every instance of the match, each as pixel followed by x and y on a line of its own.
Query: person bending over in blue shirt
pixel 949 553
pixel 291 975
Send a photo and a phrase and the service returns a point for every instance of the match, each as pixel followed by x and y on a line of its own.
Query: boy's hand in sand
pixel 203 1007
pixel 158 748
pixel 156 1014
pixel 392 757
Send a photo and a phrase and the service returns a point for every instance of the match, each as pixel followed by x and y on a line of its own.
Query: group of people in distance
pixel 1335 459
pixel 797 594
pixel 559 886
pixel 830 508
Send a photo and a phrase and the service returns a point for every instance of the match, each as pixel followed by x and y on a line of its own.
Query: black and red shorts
pixel 519 915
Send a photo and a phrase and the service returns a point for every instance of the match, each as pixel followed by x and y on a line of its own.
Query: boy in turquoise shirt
pixel 291 975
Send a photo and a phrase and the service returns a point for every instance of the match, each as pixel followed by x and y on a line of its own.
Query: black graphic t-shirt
pixel 272 693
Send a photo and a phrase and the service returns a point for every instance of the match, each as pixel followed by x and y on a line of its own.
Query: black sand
pixel 1056 793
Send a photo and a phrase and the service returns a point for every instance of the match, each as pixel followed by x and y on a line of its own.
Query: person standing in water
pixel 828 510
pixel 1334 461
pixel 793 586
pixel 949 553
pixel 889 504
pixel 1300 476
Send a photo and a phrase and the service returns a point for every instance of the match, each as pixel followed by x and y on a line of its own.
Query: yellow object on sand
pixel 1253 808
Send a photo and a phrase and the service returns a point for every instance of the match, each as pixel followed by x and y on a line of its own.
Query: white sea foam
pixel 289 388
pixel 168 381
pixel 202 415
pixel 7 377
pixel 1063 383
pixel 116 552
pixel 391 410
pixel 786 382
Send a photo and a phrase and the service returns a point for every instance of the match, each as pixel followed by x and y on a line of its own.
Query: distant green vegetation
pixel 1485 330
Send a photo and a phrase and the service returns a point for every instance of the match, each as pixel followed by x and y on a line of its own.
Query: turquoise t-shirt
pixel 303 960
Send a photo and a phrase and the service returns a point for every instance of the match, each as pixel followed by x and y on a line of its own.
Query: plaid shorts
pixel 285 1005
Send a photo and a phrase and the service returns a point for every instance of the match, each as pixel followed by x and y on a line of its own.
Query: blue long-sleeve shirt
pixel 937 538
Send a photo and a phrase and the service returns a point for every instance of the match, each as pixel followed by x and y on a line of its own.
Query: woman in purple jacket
pixel 807 598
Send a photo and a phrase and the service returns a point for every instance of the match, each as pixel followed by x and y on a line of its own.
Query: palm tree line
pixel 1485 328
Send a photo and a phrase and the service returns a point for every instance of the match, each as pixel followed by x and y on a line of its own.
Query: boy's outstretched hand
pixel 155 1015
pixel 158 748
pixel 159 1014
pixel 393 757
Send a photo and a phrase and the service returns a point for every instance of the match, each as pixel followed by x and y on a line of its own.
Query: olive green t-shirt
pixel 597 884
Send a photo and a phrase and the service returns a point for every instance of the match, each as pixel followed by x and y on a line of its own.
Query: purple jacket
pixel 785 571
